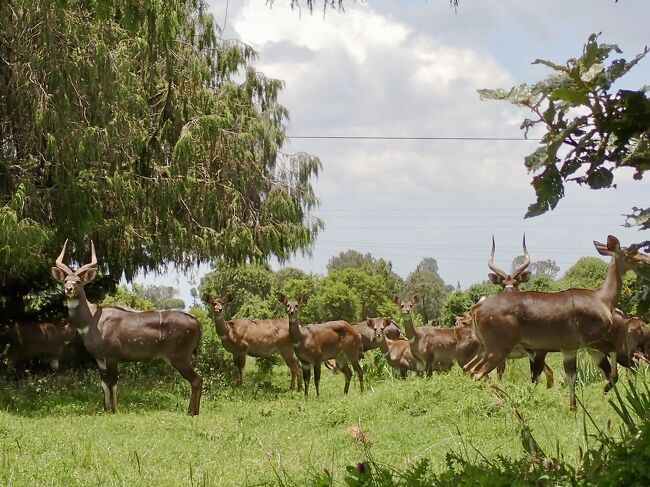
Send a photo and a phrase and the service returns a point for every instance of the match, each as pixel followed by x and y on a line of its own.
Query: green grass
pixel 53 430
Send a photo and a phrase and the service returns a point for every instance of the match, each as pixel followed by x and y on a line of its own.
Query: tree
pixel 426 282
pixel 287 273
pixel 137 126
pixel 330 4
pixel 370 289
pixel 162 297
pixel 336 301
pixel 540 267
pixel 244 281
pixel 353 259
pixel 457 303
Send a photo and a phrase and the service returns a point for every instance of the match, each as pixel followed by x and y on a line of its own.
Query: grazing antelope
pixel 564 320
pixel 29 340
pixel 114 334
pixel 315 343
pixel 510 283
pixel 257 338
pixel 396 351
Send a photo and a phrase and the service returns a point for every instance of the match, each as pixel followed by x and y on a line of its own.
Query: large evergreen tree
pixel 136 125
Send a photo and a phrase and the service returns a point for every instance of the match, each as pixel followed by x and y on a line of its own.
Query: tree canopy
pixel 590 132
pixel 137 126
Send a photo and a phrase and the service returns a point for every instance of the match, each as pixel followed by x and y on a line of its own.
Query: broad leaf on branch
pixel 589 131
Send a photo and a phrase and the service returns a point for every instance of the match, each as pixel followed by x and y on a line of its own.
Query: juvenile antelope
pixel 257 338
pixel 564 320
pixel 113 334
pixel 397 352
pixel 316 343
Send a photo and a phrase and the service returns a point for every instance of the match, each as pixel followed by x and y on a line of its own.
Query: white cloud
pixel 412 69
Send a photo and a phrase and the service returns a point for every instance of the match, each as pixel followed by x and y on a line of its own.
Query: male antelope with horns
pixel 113 334
pixel 564 320
pixel 511 283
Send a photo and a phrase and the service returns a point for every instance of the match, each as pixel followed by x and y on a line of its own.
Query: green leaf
pixel 600 178
pixel 575 96
pixel 536 160
pixel 592 73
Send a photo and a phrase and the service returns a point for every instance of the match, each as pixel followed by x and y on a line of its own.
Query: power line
pixel 467 208
pixel 394 137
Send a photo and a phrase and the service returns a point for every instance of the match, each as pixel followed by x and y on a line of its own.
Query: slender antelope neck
pixel 80 312
pixel 610 292
pixel 294 329
pixel 383 345
pixel 220 325
pixel 409 328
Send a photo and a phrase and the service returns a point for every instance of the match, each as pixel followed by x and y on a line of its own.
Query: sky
pixel 412 68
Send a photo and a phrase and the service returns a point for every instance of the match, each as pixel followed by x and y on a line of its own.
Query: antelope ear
pixel 58 274
pixel 415 299
pixel 303 298
pixel 228 298
pixel 206 298
pixel 370 323
pixel 613 244
pixel 396 299
pixel 88 276
pixel 495 278
pixel 524 276
pixel 602 248
pixel 281 297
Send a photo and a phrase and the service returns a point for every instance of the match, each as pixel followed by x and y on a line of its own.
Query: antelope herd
pixel 510 324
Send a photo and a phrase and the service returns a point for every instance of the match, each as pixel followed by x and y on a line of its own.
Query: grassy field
pixel 54 432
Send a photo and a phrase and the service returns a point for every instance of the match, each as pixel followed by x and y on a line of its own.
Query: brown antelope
pixel 114 334
pixel 30 340
pixel 422 339
pixel 315 343
pixel 631 338
pixel 510 283
pixel 564 320
pixel 369 339
pixel 257 338
pixel 397 352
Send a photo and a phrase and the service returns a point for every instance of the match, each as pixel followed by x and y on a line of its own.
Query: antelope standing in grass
pixel 29 340
pixel 257 338
pixel 511 283
pixel 316 343
pixel 565 320
pixel 396 351
pixel 114 334
pixel 368 338
pixel 422 339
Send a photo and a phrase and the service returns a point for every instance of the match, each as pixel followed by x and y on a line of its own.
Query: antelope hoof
pixel 607 388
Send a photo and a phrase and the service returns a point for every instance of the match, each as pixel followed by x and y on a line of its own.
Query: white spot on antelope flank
pixel 101 364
